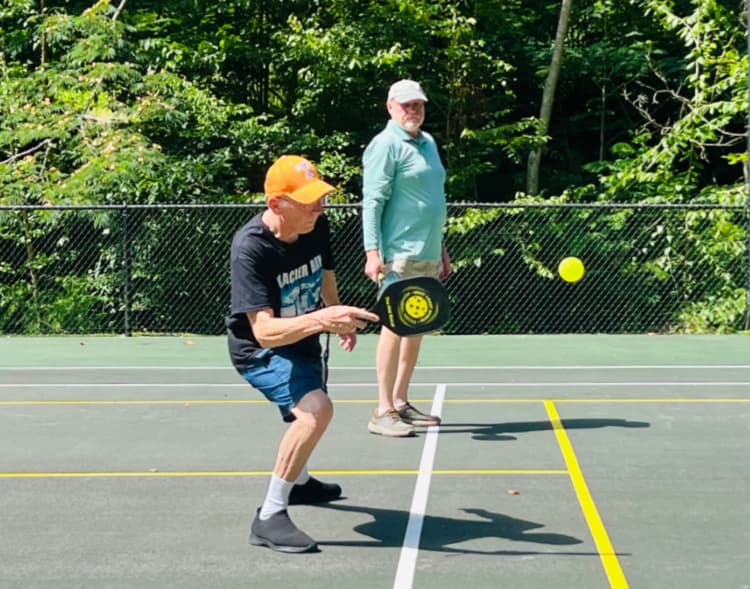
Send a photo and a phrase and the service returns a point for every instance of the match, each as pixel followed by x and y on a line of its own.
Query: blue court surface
pixel 562 462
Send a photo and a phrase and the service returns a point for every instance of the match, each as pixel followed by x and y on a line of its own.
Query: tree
pixel 548 96
pixel 690 144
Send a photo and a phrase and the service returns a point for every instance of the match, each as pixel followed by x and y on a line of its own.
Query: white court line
pixel 407 562
pixel 441 367
pixel 515 385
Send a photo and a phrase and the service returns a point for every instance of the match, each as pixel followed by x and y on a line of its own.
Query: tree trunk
pixel 43 39
pixel 548 96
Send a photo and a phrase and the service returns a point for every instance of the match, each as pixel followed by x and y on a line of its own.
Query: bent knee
pixel 315 410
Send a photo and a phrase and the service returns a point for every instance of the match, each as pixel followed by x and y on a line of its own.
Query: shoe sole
pixel 374 429
pixel 258 541
pixel 420 422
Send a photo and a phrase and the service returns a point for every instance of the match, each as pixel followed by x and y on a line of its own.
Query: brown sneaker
pixel 389 424
pixel 410 414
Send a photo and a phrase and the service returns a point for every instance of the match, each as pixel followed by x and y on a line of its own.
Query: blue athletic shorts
pixel 284 377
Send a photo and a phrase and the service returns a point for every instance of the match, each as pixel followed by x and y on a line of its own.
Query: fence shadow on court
pixel 504 431
pixel 445 534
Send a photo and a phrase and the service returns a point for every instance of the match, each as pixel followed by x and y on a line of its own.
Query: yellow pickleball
pixel 571 269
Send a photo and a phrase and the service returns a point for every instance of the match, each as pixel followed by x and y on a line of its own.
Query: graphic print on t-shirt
pixel 300 288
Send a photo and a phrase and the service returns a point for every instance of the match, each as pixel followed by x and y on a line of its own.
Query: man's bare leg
pixel 407 360
pixel 386 364
pixel 313 413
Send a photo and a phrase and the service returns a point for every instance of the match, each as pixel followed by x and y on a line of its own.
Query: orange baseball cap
pixel 295 177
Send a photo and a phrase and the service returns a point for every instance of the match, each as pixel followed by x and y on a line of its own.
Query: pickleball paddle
pixel 413 306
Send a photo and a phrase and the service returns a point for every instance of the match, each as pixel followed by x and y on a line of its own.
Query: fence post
pixel 747 182
pixel 747 249
pixel 126 270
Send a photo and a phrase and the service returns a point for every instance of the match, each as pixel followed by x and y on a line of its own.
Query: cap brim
pixel 312 192
pixel 402 98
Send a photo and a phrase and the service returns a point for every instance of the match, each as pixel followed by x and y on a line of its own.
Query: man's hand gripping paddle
pixel 413 306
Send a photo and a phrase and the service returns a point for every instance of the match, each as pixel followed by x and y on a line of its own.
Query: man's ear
pixel 275 204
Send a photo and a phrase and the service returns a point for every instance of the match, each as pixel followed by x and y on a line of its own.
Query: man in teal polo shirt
pixel 404 212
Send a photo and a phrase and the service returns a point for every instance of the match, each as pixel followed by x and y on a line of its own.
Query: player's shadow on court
pixel 505 431
pixel 445 534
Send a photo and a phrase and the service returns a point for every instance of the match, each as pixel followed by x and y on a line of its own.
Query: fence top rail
pixel 462 205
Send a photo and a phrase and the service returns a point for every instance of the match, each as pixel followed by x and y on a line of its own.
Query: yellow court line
pixel 523 471
pixel 601 400
pixel 139 402
pixel 697 400
pixel 257 473
pixel 591 514
pixel 707 400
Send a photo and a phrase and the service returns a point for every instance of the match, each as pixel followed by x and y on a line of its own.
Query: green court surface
pixel 562 462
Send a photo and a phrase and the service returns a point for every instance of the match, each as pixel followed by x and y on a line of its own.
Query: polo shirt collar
pixel 393 127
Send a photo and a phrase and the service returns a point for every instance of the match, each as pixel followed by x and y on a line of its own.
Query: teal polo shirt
pixel 403 196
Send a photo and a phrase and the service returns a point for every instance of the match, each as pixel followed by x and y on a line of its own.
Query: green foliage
pixel 188 102
pixel 686 149
pixel 199 98
pixel 42 287
pixel 716 314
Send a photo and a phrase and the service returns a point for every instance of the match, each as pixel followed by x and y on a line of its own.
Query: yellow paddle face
pixel 416 306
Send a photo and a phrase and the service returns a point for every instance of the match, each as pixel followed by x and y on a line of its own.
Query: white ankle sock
pixel 277 497
pixel 303 477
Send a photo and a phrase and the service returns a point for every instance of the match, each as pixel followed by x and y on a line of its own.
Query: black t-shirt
pixel 267 272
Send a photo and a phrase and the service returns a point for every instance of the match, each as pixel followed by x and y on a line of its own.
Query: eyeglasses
pixel 413 105
pixel 318 205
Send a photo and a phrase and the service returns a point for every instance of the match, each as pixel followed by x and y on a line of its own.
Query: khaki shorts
pixel 407 268
pixel 404 268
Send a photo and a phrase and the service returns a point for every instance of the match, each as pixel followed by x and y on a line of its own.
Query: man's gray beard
pixel 410 127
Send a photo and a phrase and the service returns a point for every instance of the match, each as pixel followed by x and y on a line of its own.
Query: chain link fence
pixel 165 269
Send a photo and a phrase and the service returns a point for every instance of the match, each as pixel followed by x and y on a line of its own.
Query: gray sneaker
pixel 279 533
pixel 410 414
pixel 389 424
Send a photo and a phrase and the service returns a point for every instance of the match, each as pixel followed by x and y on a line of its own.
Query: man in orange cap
pixel 282 273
